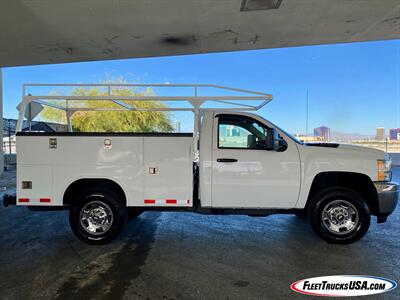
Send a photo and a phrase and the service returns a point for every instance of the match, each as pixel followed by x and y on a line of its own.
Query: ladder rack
pixel 197 99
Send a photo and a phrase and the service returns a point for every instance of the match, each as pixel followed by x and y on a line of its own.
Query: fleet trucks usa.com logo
pixel 343 286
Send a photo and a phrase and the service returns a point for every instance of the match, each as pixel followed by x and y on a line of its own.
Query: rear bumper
pixel 388 196
pixel 9 200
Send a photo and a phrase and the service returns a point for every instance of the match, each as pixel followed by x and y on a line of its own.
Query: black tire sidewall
pixel 328 195
pixel 119 216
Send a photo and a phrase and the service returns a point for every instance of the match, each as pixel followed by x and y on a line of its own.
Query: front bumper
pixel 388 196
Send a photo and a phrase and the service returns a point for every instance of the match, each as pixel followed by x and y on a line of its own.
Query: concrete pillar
pixel 1 124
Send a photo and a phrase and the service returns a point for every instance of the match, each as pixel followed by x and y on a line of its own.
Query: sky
pixel 352 88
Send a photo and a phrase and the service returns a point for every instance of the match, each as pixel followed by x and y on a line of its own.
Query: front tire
pixel 339 215
pixel 97 217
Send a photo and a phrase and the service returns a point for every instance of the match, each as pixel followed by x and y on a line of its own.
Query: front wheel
pixel 339 215
pixel 97 217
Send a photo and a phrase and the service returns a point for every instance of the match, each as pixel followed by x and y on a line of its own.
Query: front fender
pixel 316 160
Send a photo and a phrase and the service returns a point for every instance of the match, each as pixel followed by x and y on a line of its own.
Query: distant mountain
pixel 336 135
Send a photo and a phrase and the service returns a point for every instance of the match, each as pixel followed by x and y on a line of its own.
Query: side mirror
pixel 274 141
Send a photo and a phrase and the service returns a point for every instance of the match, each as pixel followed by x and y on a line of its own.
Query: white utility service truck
pixel 235 162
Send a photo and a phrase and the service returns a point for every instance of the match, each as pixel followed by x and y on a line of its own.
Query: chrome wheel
pixel 96 217
pixel 340 217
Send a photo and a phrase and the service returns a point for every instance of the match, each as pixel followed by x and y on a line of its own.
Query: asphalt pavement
pixel 182 256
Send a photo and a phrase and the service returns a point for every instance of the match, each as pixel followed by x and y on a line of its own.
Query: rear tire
pixel 339 215
pixel 98 216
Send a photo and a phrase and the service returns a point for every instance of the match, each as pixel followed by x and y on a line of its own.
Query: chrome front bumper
pixel 388 196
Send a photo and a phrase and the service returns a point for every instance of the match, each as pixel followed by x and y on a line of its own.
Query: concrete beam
pixel 48 31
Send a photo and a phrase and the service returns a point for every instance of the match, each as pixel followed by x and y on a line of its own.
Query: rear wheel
pixel 339 215
pixel 97 217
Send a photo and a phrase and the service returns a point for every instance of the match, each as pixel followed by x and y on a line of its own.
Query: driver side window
pixel 240 132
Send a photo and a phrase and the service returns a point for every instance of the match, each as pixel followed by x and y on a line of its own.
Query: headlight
pixel 384 170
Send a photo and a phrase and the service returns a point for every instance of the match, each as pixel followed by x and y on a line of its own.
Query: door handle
pixel 227 160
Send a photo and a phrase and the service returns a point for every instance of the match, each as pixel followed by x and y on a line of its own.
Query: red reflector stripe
pixel 170 201
pixel 149 201
pixel 23 200
pixel 45 200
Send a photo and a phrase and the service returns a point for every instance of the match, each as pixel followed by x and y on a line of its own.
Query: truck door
pixel 244 173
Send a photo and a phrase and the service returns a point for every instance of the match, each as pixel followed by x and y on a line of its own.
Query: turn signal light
pixel 384 170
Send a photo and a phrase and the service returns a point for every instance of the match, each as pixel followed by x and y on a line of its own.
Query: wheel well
pixel 357 182
pixel 78 186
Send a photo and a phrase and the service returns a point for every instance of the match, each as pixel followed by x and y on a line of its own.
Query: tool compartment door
pixel 168 171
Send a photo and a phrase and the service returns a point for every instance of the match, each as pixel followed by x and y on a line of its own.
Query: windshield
pixel 285 132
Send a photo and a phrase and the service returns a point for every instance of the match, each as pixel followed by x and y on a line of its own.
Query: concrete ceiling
pixel 55 31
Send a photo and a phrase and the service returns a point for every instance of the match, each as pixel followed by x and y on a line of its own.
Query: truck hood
pixel 346 148
pixel 378 153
